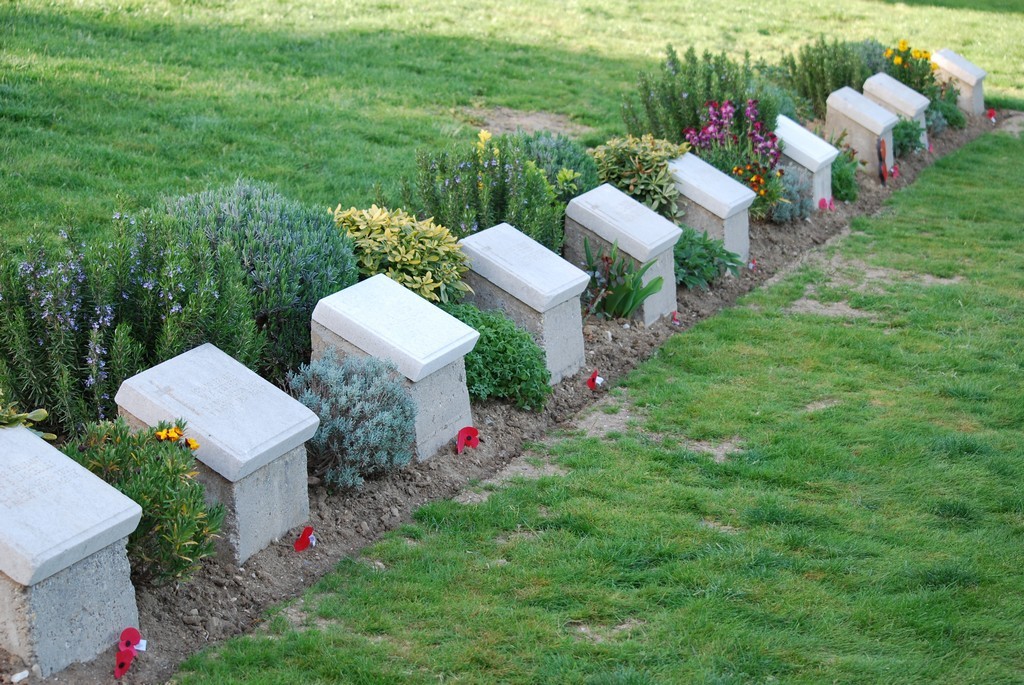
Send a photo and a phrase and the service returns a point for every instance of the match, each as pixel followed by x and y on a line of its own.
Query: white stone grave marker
pixel 252 441
pixel 605 216
pixel 900 99
pixel 865 123
pixel 535 287
pixel 810 153
pixel 65 583
pixel 966 76
pixel 381 318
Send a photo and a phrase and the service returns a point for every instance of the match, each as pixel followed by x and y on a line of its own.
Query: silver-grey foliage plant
pixel 366 417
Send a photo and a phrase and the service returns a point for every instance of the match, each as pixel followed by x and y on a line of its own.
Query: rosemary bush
pixel 672 100
pixel 76 321
pixel 821 67
pixel 366 417
pixel 564 161
pixel 469 188
pixel 292 256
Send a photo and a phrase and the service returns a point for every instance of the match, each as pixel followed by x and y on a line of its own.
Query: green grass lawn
pixel 869 530
pixel 107 106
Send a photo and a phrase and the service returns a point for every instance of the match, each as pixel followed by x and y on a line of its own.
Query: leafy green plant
pixel 367 418
pixel 639 168
pixel 669 102
pixel 616 287
pixel 154 467
pixel 75 322
pixel 796 201
pixel 943 110
pixel 421 255
pixel 844 171
pixel 701 259
pixel 915 69
pixel 564 161
pixel 469 188
pixel 291 254
pixel 821 67
pixel 506 363
pixel 10 417
pixel 906 137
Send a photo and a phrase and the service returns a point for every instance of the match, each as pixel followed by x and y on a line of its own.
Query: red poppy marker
pixel 823 204
pixel 675 319
pixel 594 381
pixel 831 204
pixel 128 646
pixel 752 265
pixel 991 114
pixel 895 171
pixel 305 540
pixel 467 437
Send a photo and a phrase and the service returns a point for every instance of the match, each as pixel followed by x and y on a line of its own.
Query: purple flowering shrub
pixel 744 148
pixel 75 321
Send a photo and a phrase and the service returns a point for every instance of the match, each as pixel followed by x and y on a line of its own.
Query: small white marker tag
pixel 141 647
pixel 599 380
pixel 312 540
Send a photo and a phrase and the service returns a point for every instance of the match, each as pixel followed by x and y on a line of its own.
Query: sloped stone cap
pixel 385 319
pixel 860 109
pixel 241 421
pixel 521 266
pixel 716 192
pixel 893 95
pixel 803 147
pixel 53 511
pixel 608 212
pixel 959 67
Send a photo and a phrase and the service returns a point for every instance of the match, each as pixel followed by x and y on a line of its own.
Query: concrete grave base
pixel 809 154
pixel 865 122
pixel 733 231
pixel 559 330
pixel 259 507
pixel 654 307
pixel 73 615
pixel 968 78
pixel 441 398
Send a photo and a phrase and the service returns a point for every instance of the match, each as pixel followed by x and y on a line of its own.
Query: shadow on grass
pixel 976 5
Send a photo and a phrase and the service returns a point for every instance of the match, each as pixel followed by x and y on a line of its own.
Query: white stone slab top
pixel 803 147
pixel 959 67
pixel 716 192
pixel 241 421
pixel 385 319
pixel 53 511
pixel 521 266
pixel 609 213
pixel 860 109
pixel 904 99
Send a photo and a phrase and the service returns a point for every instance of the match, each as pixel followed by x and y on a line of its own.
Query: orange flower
pixel 191 444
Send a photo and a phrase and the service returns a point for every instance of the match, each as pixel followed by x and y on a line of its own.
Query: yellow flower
pixel 888 53
pixel 161 435
pixel 925 54
pixel 192 444
pixel 903 45
pixel 935 67
pixel 174 433
pixel 897 60
pixel 915 53
pixel 482 138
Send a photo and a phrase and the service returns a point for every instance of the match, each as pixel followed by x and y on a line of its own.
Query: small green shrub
pixel 564 161
pixel 796 202
pixel 469 188
pixel 10 417
pixel 906 137
pixel 422 256
pixel 872 54
pixel 943 110
pixel 154 467
pixel 669 102
pixel 616 287
pixel 292 256
pixel 701 259
pixel 639 168
pixel 844 171
pixel 367 418
pixel 821 67
pixel 506 363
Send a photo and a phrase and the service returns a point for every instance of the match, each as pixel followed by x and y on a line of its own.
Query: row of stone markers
pixel 65 587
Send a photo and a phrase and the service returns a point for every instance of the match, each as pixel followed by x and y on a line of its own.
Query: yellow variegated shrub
pixel 421 255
